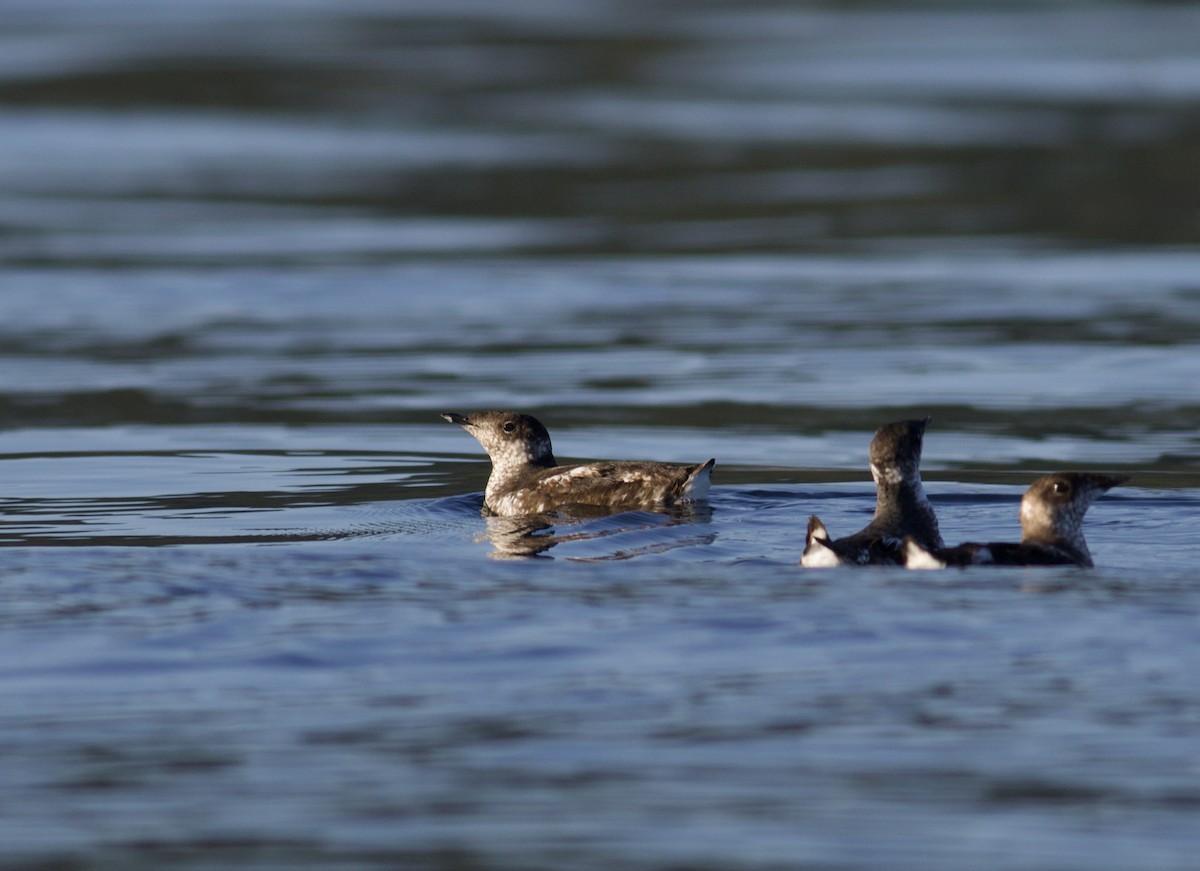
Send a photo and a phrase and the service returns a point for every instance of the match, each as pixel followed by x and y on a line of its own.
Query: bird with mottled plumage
pixel 526 479
pixel 1052 511
pixel 901 506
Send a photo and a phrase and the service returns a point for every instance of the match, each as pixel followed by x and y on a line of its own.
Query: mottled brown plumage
pixel 525 478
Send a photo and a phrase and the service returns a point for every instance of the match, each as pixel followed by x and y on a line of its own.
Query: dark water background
pixel 250 615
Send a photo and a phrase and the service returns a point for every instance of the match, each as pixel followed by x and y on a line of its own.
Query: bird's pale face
pixel 1054 505
pixel 511 439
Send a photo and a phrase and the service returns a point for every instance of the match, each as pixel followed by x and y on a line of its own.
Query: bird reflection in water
pixel 642 532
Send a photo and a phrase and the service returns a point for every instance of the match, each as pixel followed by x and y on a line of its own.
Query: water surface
pixel 250 612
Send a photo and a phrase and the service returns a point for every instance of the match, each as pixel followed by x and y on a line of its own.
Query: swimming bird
pixel 901 506
pixel 526 479
pixel 1052 512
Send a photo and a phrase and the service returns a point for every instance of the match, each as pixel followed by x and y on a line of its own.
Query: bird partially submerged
pixel 901 506
pixel 1052 511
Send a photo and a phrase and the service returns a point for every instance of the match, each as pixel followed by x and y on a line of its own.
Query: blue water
pixel 250 613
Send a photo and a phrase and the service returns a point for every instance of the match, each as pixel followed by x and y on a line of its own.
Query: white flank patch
pixel 917 557
pixel 697 485
pixel 818 556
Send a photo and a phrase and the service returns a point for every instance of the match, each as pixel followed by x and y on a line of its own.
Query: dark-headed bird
pixel 901 506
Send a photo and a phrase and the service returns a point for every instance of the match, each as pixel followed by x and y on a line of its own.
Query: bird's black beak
pixel 1107 482
pixel 453 417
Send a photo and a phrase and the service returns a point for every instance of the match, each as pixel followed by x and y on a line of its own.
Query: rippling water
pixel 250 613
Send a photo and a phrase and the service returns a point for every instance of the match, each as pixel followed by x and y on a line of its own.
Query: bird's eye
pixel 1062 487
pixel 510 426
